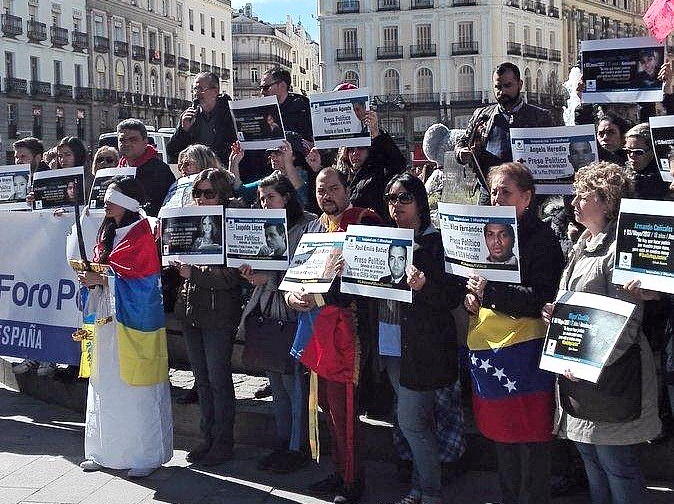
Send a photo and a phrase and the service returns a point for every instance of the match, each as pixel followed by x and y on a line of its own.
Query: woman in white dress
pixel 128 418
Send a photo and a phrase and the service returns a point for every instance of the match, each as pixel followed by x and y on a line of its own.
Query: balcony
pixel 256 57
pixel 423 50
pixel 195 67
pixel 105 95
pixel 169 60
pixel 389 52
pixel 462 48
pixel 388 5
pixel 529 5
pixel 348 7
pixel 351 54
pixel 183 65
pixel 79 41
pixel 120 48
pixel 465 97
pixel 555 55
pixel 138 53
pixel 514 48
pixel 553 12
pixel 246 29
pixel 11 25
pixel 36 31
pixel 39 88
pixel 154 56
pixel 529 51
pixel 216 70
pixel 421 4
pixel 82 94
pixel 513 3
pixel 463 3
pixel 16 86
pixel 59 36
pixel 205 67
pixel 63 91
pixel 539 8
pixel 246 84
pixel 138 100
pixel 225 74
pixel 420 101
pixel 154 101
pixel 101 44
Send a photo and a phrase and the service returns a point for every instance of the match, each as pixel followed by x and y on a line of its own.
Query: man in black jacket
pixel 208 121
pixel 295 111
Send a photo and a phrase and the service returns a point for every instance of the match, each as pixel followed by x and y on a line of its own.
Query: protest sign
pixel 56 188
pixel 582 334
pixel 312 268
pixel 101 182
pixel 376 261
pixel 38 289
pixel 662 133
pixel 480 240
pixel 180 193
pixel 14 187
pixel 193 235
pixel 258 122
pixel 257 237
pixel 337 119
pixel 554 155
pixel 622 70
pixel 644 244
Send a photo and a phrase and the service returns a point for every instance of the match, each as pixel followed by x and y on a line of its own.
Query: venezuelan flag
pixel 139 311
pixel 512 397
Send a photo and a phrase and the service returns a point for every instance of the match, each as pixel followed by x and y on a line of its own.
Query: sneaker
pixel 327 486
pixel 189 397
pixel 90 466
pixel 141 473
pixel 290 462
pixel 269 461
pixel 46 369
pixel 349 494
pixel 263 391
pixel 24 366
pixel 196 454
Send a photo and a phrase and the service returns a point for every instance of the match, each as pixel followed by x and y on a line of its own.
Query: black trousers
pixel 524 472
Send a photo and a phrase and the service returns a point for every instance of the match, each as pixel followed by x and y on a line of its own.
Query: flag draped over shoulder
pixel 141 334
pixel 512 397
pixel 659 18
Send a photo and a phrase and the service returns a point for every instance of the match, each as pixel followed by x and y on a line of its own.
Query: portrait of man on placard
pixel 500 241
pixel 397 264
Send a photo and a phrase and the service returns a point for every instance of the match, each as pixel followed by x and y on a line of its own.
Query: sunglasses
pixel 404 198
pixel 207 193
pixel 636 152
pixel 265 87
pixel 108 160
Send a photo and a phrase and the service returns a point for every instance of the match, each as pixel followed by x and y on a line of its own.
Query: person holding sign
pixel 417 341
pixel 607 421
pixel 209 307
pixel 512 398
pixel 128 418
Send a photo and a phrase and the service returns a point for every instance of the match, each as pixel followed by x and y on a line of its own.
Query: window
pixel 424 35
pixel 425 81
pixel 120 76
pixel 168 47
pixel 165 8
pixel 81 124
pixel 527 35
pixel 34 68
pixel 235 74
pixel 214 58
pixel 539 81
pixel 154 91
pixel 212 27
pixel 511 32
pixel 9 64
pixel 391 37
pixel 192 52
pixel 137 79
pixel 466 80
pixel 254 75
pixel 12 124
pixel 527 79
pixel 352 77
pixel 119 32
pixel 350 39
pixel 150 5
pixel 101 71
pixel 539 37
pixel 391 82
pixel 190 15
pixel 135 36
pixel 465 31
pixel 32 12
pixel 295 80
pixel 168 84
pixel 202 23
pixel 222 30
pixel 78 75
pixel 37 121
pixel 179 13
pixel 98 26
pixel 60 123
pixel 553 40
pixel 55 16
pixel 152 40
pixel 8 7
pixel 58 73
pixel 294 56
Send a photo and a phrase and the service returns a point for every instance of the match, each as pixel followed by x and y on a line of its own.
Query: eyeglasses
pixel 265 87
pixel 108 160
pixel 207 193
pixel 635 152
pixel 199 89
pixel 403 198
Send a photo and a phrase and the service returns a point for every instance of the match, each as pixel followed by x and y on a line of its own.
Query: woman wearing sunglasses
pixel 648 183
pixel 105 157
pixel 209 307
pixel 417 341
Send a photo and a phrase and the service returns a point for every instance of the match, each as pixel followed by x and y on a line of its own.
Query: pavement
pixel 41 445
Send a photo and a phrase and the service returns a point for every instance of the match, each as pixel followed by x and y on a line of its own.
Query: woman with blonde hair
pixel 105 157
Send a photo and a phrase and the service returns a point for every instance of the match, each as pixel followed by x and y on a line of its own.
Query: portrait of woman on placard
pixel 210 235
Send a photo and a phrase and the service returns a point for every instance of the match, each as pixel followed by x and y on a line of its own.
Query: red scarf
pixel 149 154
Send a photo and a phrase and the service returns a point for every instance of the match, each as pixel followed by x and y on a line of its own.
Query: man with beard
pixel 500 241
pixel 487 136
pixel 397 264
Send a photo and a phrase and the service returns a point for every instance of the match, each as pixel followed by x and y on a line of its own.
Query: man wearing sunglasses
pixel 208 121
pixel 648 183
pixel 294 107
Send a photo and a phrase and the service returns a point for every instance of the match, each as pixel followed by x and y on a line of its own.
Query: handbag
pixel 268 342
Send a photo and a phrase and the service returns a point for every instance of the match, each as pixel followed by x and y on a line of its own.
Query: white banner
pixel 193 235
pixel 257 237
pixel 312 268
pixel 337 119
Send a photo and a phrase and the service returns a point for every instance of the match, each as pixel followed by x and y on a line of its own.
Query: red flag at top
pixel 659 19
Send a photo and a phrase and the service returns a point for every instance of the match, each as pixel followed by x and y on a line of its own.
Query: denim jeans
pixel 290 407
pixel 416 417
pixel 614 473
pixel 210 354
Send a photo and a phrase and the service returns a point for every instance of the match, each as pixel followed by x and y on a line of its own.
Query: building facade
pixel 431 60
pixel 45 67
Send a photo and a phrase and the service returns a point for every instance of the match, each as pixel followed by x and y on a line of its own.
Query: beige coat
pixel 590 269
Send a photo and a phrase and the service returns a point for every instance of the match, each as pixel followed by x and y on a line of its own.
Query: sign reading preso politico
pixel 554 155
pixel 102 180
pixel 622 70
pixel 376 261
pixel 58 188
pixel 645 244
pixel 193 235
pixel 337 119
pixel 662 133
pixel 312 268
pixel 582 334
pixel 258 122
pixel 14 180
pixel 38 289
pixel 480 240
pixel 257 237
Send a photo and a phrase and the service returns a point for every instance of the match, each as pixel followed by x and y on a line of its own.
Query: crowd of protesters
pixel 429 348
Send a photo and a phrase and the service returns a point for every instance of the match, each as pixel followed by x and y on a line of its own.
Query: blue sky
pixel 275 11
